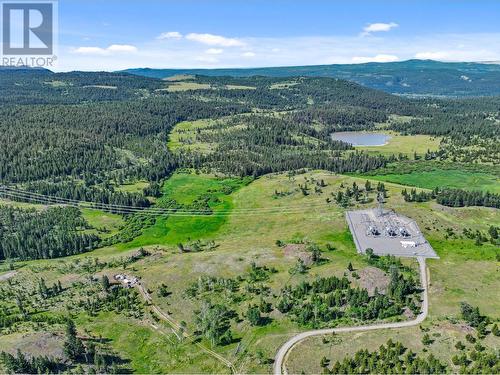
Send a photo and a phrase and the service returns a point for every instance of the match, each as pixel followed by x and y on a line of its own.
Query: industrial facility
pixel 387 233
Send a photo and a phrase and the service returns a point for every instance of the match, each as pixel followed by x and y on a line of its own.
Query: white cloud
pixel 378 27
pixel 438 55
pixel 169 35
pixel 90 50
pixel 377 58
pixel 248 54
pixel 114 48
pixel 311 50
pixel 121 48
pixel 215 40
pixel 214 51
pixel 207 59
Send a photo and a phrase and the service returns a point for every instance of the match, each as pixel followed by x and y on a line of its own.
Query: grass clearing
pixel 185 86
pixel 186 189
pixel 105 224
pixel 57 84
pixel 105 87
pixel 404 144
pixel 136 187
pixel 445 178
pixel 148 350
pixel 283 85
pixel 239 87
pixel 23 205
pixel 183 136
pixel 243 239
pixel 180 77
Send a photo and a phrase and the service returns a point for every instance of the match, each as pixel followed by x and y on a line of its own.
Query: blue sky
pixel 118 34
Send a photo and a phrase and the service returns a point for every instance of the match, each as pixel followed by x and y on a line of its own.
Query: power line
pixel 151 211
pixel 158 209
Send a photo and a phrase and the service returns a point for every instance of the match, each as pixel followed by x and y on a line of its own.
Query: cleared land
pixel 387 233
pixel 404 144
pixel 451 178
pixel 183 136
pixel 190 191
pixel 243 239
pixel 186 85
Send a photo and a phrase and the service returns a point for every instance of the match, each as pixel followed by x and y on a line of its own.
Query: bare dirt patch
pixel 39 343
pixel 371 278
pixel 7 275
pixel 298 251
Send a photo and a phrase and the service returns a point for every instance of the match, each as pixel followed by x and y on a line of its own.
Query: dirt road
pixel 175 325
pixel 280 359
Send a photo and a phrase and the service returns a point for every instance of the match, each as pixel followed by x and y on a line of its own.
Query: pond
pixel 362 138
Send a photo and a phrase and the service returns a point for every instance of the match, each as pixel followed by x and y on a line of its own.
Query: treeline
pixel 462 198
pixel 40 86
pixel 338 118
pixel 454 197
pixel 393 357
pixel 50 233
pixel 298 92
pixel 21 364
pixel 105 194
pixel 419 196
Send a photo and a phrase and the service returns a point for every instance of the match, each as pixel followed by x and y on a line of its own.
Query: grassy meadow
pixel 404 144
pixel 452 178
pixel 244 229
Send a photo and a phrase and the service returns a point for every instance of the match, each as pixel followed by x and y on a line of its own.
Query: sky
pixel 119 34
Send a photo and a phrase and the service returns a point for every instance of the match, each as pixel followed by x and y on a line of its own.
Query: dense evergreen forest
pixel 81 135
pixel 51 233
pixel 454 197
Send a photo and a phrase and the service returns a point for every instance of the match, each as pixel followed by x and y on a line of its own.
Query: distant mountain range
pixel 412 77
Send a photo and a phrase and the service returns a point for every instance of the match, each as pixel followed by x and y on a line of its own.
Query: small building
pixel 406 244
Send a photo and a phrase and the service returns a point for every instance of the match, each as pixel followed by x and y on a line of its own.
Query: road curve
pixel 281 356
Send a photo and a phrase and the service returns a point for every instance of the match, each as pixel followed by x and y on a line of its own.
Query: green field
pixel 185 189
pixel 404 144
pixel 251 237
pixel 136 187
pixel 105 224
pixel 243 239
pixel 451 178
pixel 183 136
pixel 149 347
pixel 186 85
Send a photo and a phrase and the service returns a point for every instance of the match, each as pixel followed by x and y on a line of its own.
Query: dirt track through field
pixel 176 327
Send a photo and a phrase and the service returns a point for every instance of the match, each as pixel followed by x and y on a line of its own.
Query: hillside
pixel 222 200
pixel 412 77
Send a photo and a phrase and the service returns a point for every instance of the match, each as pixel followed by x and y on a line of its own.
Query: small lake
pixel 362 138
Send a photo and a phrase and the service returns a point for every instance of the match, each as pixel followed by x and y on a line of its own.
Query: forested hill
pixel 412 77
pixel 84 136
pixel 42 86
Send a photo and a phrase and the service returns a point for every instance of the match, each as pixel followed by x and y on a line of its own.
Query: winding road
pixel 280 359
